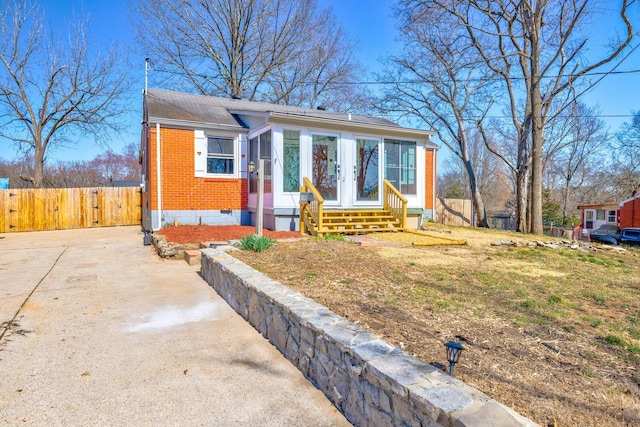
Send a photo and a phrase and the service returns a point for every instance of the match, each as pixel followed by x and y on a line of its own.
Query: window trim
pixel 400 166
pixel 201 151
pixel 300 144
pixel 232 157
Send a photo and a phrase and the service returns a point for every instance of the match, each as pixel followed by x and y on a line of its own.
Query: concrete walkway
pixel 108 334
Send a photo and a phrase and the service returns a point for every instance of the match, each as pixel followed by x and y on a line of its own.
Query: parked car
pixel 609 234
pixel 630 235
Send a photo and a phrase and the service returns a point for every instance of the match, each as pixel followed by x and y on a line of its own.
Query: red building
pixel 630 213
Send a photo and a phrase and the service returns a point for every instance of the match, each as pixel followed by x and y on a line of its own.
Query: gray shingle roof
pixel 162 104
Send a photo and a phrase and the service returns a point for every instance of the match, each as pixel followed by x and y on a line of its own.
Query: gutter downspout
pixel 159 176
pixel 433 185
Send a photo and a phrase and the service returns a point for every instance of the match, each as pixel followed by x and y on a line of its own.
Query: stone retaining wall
pixel 370 381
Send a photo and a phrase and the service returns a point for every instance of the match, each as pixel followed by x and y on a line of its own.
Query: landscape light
pixel 453 354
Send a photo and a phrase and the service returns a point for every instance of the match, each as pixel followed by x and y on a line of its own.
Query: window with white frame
pixel 260 148
pixel 400 165
pixel 611 217
pixel 291 162
pixel 220 155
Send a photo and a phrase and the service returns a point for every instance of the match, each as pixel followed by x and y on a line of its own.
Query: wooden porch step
pixel 359 218
pixel 354 230
pixel 354 212
pixel 354 223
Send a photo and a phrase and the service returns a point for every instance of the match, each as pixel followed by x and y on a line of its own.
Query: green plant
pixel 554 299
pixel 331 236
pixel 593 321
pixel 256 243
pixel 614 340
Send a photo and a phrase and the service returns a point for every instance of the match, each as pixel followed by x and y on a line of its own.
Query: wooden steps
pixel 355 221
pixel 317 219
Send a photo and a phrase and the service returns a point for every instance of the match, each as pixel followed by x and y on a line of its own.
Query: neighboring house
pixel 196 152
pixel 630 212
pixel 593 216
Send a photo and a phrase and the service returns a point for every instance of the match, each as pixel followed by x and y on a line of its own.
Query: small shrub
pixel 256 243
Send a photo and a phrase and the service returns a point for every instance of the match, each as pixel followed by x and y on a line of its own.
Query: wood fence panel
pixel 4 211
pixel 454 212
pixel 130 209
pixel 63 208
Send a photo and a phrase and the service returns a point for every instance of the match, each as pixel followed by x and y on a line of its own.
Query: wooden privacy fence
pixel 454 212
pixel 37 209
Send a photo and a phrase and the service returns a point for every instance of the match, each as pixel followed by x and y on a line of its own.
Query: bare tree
pixel 52 86
pixel 436 80
pixel 537 50
pixel 281 51
pixel 574 143
pixel 627 158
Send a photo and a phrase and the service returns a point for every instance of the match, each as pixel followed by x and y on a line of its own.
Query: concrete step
pixel 192 257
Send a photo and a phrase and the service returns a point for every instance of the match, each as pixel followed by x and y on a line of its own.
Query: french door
pixel 366 171
pixel 326 167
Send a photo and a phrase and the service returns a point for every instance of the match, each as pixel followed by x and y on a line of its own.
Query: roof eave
pixel 399 131
pixel 191 124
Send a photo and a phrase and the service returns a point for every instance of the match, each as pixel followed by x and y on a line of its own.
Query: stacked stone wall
pixel 370 381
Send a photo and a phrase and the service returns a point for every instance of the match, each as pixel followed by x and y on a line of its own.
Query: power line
pixel 408 81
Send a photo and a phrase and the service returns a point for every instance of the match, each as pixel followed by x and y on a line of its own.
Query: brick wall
pixel 181 190
pixel 430 173
pixel 630 214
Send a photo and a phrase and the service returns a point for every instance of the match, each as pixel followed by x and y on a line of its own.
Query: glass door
pixel 326 167
pixel 367 171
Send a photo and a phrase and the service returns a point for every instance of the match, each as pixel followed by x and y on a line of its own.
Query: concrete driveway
pixel 107 333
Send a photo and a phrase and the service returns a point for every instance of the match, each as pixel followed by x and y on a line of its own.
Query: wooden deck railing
pixel 313 208
pixel 395 203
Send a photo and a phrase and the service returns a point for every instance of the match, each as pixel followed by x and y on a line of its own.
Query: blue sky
pixel 370 22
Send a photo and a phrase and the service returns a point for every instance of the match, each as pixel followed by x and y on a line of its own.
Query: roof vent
pixel 236 97
pixel 321 108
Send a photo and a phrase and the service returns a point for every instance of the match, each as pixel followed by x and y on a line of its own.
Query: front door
pixel 366 171
pixel 326 167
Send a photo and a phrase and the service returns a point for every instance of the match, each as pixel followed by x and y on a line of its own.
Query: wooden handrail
pixel 314 207
pixel 395 203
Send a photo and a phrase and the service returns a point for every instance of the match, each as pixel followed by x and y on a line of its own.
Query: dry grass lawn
pixel 552 333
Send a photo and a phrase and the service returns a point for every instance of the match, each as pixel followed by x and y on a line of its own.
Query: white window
pixel 260 149
pixel 291 164
pixel 215 155
pixel 220 155
pixel 611 217
pixel 400 165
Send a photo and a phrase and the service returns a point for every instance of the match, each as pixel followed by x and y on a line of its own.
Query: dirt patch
pixel 552 333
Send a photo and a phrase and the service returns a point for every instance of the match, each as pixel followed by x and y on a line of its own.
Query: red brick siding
pixel 181 190
pixel 430 173
pixel 630 214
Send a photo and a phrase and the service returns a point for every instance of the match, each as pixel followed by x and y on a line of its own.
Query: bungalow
pixel 630 213
pixel 200 156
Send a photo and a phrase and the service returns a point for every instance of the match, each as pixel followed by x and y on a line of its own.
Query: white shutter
pixel 200 153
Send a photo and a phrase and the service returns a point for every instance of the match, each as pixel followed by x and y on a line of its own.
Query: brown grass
pixel 552 333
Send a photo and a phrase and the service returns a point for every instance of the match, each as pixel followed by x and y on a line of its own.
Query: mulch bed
pixel 206 233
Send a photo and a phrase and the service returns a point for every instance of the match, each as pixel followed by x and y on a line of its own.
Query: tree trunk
pixel 537 126
pixel 38 165
pixel 476 197
pixel 565 200
pixel 522 188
